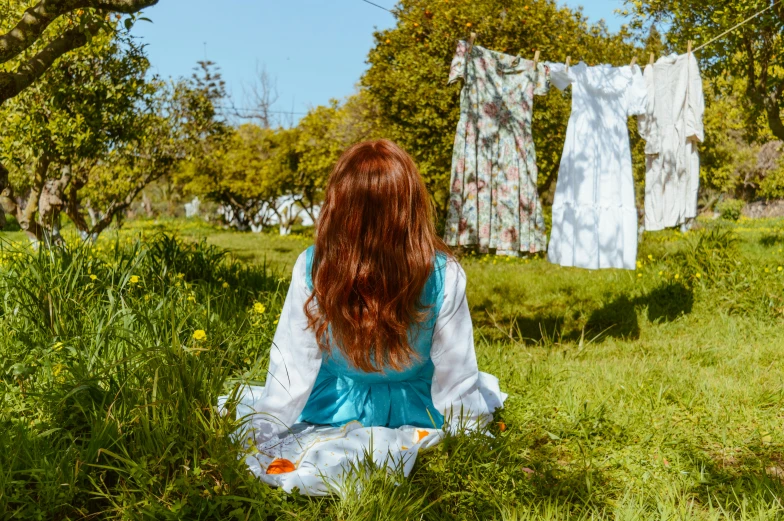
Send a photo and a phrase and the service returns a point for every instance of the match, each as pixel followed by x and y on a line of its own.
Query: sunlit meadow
pixel 654 394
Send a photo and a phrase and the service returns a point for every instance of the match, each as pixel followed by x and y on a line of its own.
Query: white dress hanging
pixel 594 210
pixel 672 126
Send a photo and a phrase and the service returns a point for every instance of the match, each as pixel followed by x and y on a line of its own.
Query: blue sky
pixel 315 49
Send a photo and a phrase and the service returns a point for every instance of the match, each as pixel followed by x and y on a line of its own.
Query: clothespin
pixel 634 61
pixel 688 51
pixel 568 62
pixel 653 58
pixel 536 58
pixel 471 42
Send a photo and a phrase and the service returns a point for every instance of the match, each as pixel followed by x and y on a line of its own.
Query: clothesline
pixel 390 11
pixel 744 22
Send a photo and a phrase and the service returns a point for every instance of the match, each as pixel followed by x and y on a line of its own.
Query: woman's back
pixel 344 393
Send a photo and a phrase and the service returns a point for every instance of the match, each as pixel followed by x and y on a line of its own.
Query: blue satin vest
pixel 343 393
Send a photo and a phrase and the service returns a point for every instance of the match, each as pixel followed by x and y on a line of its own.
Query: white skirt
pixel 323 457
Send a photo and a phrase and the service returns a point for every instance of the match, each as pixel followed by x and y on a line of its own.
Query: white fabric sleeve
pixel 695 103
pixel 458 68
pixel 560 76
pixel 295 360
pixel 456 383
pixel 647 125
pixel 637 93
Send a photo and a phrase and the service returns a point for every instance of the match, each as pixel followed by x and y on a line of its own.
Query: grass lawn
pixel 654 394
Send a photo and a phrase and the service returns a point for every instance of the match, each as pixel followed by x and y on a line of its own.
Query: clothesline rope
pixel 393 13
pixel 744 22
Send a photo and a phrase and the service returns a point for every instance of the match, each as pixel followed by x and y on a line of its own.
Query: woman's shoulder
pixel 304 260
pixel 453 274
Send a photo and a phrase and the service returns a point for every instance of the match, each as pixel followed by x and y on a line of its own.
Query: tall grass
pixel 107 397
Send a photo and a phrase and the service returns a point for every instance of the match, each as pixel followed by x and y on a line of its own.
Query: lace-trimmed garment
pixel 594 209
pixel 494 201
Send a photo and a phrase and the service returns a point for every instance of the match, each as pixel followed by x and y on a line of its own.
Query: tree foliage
pixel 35 34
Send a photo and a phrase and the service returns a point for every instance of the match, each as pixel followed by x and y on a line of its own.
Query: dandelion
pixel 199 335
pixel 93 277
pixel 259 308
pixel 275 322
pixel 698 275
pixel 639 275
pixel 639 264
pixel 650 257
pixel 780 268
pixel 134 279
pixel 677 276
pixel 225 285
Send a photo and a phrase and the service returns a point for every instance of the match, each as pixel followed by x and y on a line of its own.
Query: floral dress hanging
pixel 494 203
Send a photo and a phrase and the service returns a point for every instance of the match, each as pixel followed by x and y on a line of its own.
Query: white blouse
pixel 458 389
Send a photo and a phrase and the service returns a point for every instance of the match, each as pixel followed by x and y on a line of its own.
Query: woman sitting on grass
pixel 375 328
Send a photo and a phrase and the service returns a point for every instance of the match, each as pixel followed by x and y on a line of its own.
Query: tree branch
pixel 37 18
pixel 117 206
pixel 12 83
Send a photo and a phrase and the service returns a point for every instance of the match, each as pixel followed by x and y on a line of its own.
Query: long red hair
pixel 375 246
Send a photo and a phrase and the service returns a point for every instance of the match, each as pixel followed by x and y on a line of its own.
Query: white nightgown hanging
pixel 594 209
pixel 672 126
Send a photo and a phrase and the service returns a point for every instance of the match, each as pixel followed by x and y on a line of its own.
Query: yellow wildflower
pixel 650 257
pixel 639 264
pixel 93 277
pixel 699 275
pixel 276 322
pixel 225 285
pixel 199 334
pixel 259 308
pixel 781 268
pixel 134 279
pixel 677 276
pixel 57 346
pixel 57 369
pixel 191 298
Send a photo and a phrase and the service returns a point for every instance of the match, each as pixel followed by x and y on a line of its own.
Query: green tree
pixel 409 67
pixel 323 135
pixel 95 110
pixel 750 52
pixel 247 175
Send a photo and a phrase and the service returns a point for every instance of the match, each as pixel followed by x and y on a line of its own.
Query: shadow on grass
pixel 668 302
pixel 617 318
pixel 772 239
